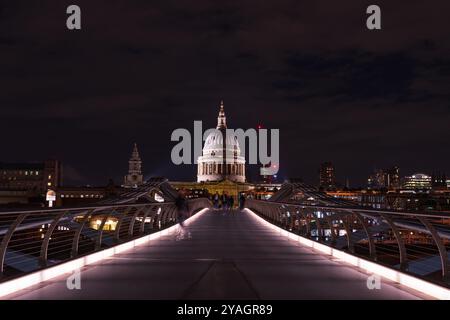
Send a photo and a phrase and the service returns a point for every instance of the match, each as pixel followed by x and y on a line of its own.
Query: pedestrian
pixel 223 200
pixel 230 202
pixel 182 214
pixel 216 200
pixel 242 202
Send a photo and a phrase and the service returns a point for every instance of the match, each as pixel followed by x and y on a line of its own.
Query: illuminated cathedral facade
pixel 221 159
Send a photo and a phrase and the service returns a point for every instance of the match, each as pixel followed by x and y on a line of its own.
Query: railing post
pixel 308 224
pixel 400 242
pixel 282 216
pixel 372 249
pixel 133 220
pixel 171 214
pixel 300 229
pixel 332 229
pixel 318 226
pixel 98 243
pixel 76 237
pixel 7 238
pixel 348 232
pixel 48 234
pixel 119 223
pixel 298 218
pixel 144 217
pixel 441 247
pixel 161 216
pixel 158 216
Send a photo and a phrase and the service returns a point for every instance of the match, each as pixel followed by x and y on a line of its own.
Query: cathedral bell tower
pixel 134 178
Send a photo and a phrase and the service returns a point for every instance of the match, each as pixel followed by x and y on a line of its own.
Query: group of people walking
pixel 226 202
pixel 223 201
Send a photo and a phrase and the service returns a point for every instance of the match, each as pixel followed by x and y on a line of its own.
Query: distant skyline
pixel 138 70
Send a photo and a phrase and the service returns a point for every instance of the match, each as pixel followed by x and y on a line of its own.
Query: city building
pixel 439 181
pixel 393 178
pixel 221 158
pixel 377 180
pixel 384 179
pixel 37 177
pixel 134 178
pixel 396 200
pixel 373 198
pixel 327 178
pixel 20 198
pixel 84 195
pixel 25 184
pixel 349 195
pixel 418 182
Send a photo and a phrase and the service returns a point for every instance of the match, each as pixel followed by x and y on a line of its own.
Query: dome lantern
pixel 221 119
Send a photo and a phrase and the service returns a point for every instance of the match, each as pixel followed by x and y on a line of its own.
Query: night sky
pixel 139 69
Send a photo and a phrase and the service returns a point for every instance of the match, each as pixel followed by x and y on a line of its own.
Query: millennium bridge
pixel 299 244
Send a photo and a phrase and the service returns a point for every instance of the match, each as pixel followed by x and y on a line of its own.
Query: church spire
pixel 134 177
pixel 135 153
pixel 221 119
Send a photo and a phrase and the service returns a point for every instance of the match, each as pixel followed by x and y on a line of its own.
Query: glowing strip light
pixel 402 278
pixel 15 285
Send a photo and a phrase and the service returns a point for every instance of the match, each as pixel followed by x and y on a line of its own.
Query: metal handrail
pixel 359 227
pixel 431 214
pixel 36 239
pixel 81 208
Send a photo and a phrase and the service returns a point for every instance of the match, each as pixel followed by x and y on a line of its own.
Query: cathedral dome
pixel 218 162
pixel 214 143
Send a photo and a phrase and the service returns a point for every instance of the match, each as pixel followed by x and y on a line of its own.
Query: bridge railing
pixel 32 240
pixel 416 243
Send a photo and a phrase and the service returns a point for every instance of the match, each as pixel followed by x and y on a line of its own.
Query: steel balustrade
pixel 377 235
pixel 35 239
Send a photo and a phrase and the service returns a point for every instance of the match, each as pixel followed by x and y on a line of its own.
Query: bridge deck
pixel 230 256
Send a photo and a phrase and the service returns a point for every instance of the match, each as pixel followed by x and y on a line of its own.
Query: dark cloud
pixel 139 69
pixel 347 76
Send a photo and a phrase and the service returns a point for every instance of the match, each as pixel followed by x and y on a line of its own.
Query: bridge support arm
pixel 7 238
pixel 372 249
pixel 400 242
pixel 440 245
pixel 133 220
pixel 120 222
pixel 48 235
pixel 76 237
